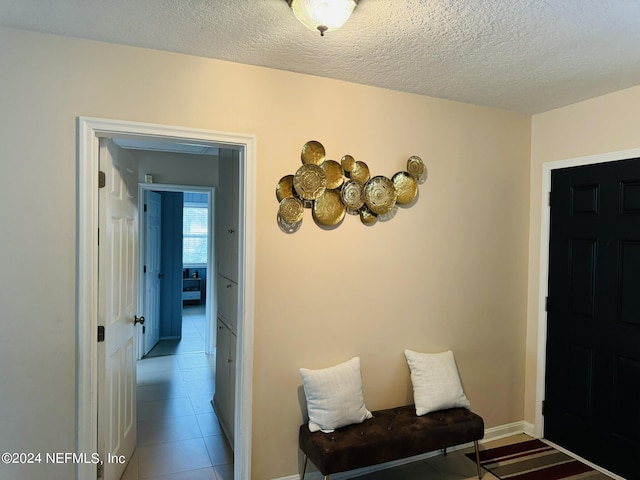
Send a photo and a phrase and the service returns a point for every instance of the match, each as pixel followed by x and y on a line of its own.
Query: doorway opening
pixel 177 269
pixel 176 367
pixel 90 130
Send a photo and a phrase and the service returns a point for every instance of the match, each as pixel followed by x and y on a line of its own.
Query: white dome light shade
pixel 323 15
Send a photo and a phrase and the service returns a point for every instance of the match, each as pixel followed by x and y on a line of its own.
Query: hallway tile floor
pixel 179 437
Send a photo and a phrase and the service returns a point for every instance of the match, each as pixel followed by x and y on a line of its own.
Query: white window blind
pixel 194 233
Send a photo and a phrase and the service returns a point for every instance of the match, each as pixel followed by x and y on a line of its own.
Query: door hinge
pixel 102 179
pixel 546 304
pixel 144 269
pixel 543 407
pixel 144 329
pixel 145 207
pixel 100 333
pixel 549 199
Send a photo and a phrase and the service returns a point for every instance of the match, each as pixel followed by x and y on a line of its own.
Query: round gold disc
pixel 380 195
pixel 360 172
pixel 328 209
pixel 352 194
pixel 291 210
pixel 313 153
pixel 406 186
pixel 348 162
pixel 284 189
pixel 309 181
pixel 334 173
pixel 367 216
pixel 415 167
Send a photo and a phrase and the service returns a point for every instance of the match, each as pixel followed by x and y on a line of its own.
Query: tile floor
pixel 179 437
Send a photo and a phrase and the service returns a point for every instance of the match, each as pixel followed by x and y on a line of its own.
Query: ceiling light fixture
pixel 322 15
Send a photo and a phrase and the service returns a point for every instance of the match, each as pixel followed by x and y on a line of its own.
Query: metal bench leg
pixel 304 466
pixel 475 444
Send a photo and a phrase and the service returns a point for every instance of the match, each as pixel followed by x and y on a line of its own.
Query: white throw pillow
pixel 436 384
pixel 334 396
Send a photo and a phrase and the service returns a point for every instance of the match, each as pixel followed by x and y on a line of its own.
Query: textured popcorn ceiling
pixel 522 55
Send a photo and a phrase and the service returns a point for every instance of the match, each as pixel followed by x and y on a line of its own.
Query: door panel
pixel 153 265
pixel 228 302
pixel 116 310
pixel 592 404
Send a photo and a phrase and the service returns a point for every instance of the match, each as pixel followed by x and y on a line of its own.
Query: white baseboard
pixel 493 433
pixel 530 429
pixel 501 431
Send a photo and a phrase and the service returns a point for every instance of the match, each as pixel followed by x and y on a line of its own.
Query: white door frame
pixel 543 278
pixel 210 288
pixel 89 130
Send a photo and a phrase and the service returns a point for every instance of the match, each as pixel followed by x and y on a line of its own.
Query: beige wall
pixel 602 125
pixel 448 273
pixel 178 168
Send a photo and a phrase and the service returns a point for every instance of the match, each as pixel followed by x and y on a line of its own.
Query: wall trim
pixel 88 132
pixel 530 429
pixel 543 277
pixel 490 434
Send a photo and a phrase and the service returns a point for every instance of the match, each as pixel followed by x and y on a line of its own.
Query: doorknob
pixel 137 319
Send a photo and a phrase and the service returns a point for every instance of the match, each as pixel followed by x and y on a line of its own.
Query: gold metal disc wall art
pixel 309 181
pixel 406 186
pixel 367 216
pixel 334 173
pixel 352 195
pixel 313 152
pixel 415 167
pixel 328 208
pixel 348 162
pixel 360 172
pixel 291 210
pixel 284 189
pixel 380 195
pixel 331 189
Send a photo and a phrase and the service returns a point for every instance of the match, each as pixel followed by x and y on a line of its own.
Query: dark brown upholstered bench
pixel 391 434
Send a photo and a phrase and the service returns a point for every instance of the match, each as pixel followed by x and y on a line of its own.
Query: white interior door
pixel 153 273
pixel 116 309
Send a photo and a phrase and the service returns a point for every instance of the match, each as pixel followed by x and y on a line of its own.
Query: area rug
pixel 534 460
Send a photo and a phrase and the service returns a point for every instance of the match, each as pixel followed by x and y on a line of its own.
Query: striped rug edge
pixel 490 460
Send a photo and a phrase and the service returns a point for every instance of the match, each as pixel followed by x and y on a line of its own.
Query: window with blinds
pixel 195 231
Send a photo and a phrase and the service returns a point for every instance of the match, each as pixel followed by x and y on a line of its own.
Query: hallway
pixel 179 436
